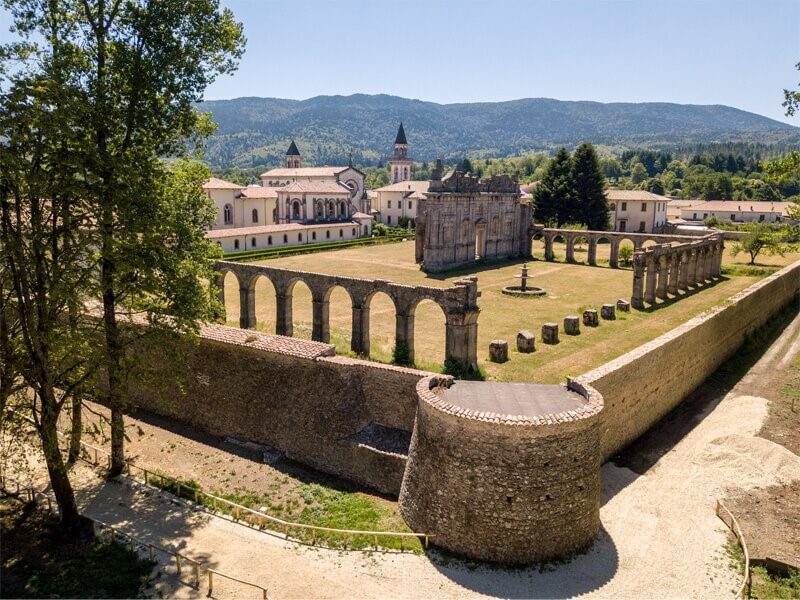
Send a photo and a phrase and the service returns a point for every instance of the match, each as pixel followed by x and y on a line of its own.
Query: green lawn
pixel 570 289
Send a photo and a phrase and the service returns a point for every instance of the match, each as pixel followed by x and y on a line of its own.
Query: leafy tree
pixel 466 165
pixel 638 173
pixel 138 68
pixel 554 194
pixel 792 99
pixel 760 238
pixel 655 185
pixel 589 189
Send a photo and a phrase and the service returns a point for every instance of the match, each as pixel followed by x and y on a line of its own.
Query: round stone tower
pixel 504 472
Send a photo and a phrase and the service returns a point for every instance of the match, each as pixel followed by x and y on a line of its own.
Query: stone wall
pixel 293 395
pixel 642 386
pixel 499 487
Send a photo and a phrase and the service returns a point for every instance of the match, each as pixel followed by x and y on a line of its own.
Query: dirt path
pixel 660 534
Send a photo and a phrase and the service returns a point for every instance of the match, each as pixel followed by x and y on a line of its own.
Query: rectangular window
pixel 644 206
pixel 388 204
pixel 694 216
pixel 641 225
pixel 409 205
pixel 624 206
pixel 733 217
pixel 705 215
pixel 389 220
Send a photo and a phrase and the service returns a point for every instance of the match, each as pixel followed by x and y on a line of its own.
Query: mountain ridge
pixel 255 130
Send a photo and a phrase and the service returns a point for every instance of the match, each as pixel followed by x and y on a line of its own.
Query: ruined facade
pixel 463 219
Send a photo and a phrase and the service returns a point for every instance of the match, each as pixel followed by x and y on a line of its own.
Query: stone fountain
pixel 523 289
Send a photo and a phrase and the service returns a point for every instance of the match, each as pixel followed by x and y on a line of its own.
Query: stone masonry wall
pixel 641 387
pixel 293 395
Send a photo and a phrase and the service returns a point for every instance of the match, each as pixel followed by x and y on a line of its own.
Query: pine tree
pixel 589 189
pixel 553 196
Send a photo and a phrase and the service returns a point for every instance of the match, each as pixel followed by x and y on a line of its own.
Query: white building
pixel 637 210
pixel 737 211
pixel 398 201
pixel 293 205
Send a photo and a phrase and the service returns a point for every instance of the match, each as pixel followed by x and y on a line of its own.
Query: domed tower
pixel 400 164
pixel 293 157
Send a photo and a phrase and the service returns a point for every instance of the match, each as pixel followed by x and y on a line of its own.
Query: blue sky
pixel 735 52
pixel 740 53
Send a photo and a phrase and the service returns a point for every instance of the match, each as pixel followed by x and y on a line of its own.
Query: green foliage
pixel 554 194
pixel 401 354
pixel 773 587
pixel 459 370
pixel 626 255
pixel 589 189
pixel 319 247
pixel 760 238
pixel 791 100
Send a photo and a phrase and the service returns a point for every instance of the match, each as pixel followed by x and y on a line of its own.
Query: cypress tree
pixel 589 189
pixel 554 194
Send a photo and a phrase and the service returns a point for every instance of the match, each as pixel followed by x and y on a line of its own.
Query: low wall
pixel 641 387
pixel 294 395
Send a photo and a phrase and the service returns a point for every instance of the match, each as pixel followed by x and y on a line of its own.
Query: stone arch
pixel 229 286
pixel 429 350
pixel 381 324
pixel 538 245
pixel 337 317
pixel 624 242
pixel 558 238
pixel 298 308
pixel 265 303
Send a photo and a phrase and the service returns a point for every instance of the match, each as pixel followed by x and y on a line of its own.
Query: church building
pixel 292 205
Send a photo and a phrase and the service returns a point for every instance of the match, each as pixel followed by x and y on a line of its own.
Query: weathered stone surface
pixel 550 333
pixel 623 305
pixel 526 342
pixel 498 351
pixel 572 325
pixel 590 317
pixel 608 312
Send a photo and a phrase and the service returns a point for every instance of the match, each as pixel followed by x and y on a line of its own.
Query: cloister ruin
pixel 458 303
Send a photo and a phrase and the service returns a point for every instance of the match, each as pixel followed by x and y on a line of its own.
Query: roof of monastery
pixel 293 151
pixel 742 206
pixel 305 172
pixel 361 215
pixel 318 187
pixel 220 184
pixel 259 191
pixel 405 186
pixel 280 228
pixel 640 195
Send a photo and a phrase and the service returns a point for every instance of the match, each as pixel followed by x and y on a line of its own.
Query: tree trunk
pixel 77 429
pixel 56 468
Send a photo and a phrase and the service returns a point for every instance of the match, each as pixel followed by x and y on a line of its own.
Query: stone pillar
pixel 718 262
pixel 548 247
pixel 691 268
pixel 570 244
pixel 613 260
pixel 683 268
pixel 663 273
pixel 637 296
pixel 709 268
pixel 219 283
pixel 700 266
pixel 321 325
pixel 359 334
pixel 461 338
pixel 672 282
pixel 247 306
pixel 651 274
pixel 283 317
pixel 592 257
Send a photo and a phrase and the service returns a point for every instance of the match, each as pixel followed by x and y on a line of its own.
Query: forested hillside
pixel 255 131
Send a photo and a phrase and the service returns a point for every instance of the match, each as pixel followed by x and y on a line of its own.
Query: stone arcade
pixel 463 219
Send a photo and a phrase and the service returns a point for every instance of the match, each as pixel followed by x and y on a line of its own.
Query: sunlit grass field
pixel 571 288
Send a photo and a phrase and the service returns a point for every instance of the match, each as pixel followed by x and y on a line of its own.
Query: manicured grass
pixel 315 504
pixel 570 289
pixel 38 563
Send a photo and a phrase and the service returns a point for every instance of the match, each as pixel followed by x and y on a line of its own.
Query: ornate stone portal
pixel 463 219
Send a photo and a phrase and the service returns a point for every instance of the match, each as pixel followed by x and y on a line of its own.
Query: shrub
pixel 626 255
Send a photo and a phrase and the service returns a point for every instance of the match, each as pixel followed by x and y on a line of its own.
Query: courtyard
pixel 571 288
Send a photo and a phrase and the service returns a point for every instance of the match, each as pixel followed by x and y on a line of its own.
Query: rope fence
pixel 730 521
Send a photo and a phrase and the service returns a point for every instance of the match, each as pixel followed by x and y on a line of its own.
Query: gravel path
pixel 660 535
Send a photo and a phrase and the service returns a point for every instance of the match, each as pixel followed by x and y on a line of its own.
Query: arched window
pixel 299 237
pixel 285 238
pixel 227 214
pixel 405 173
pixel 341 209
pixel 331 210
pixel 328 234
pixel 255 215
pixel 235 244
pixel 341 233
pixel 269 240
pixel 296 209
pixel 313 235
pixel 253 243
pixel 320 209
pixel 354 231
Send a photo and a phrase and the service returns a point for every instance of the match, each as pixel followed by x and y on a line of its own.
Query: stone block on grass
pixel 498 351
pixel 608 312
pixel 525 341
pixel 550 333
pixel 572 325
pixel 590 318
pixel 623 305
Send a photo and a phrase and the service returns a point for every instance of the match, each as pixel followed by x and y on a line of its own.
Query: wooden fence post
pixel 210 581
pixel 178 562
pixel 197 575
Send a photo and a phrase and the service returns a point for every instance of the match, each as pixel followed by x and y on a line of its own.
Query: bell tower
pixel 293 157
pixel 400 164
